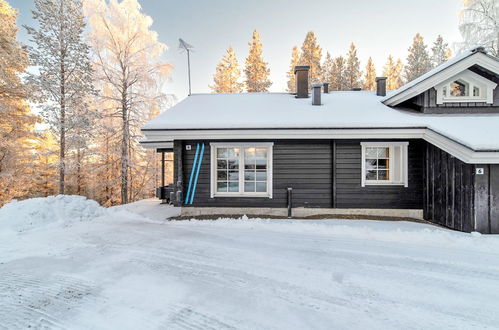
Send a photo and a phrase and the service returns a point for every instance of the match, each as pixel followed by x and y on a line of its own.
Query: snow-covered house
pixel 428 150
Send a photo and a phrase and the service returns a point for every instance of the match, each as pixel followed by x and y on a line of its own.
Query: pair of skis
pixel 193 178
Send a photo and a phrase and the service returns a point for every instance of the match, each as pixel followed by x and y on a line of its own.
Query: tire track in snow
pixel 27 301
pixel 185 318
pixel 182 264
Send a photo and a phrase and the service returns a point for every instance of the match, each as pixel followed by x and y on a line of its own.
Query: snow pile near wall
pixel 53 210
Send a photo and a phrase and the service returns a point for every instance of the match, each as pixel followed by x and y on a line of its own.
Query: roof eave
pixel 478 58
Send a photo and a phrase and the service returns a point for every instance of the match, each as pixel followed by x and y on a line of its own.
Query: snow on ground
pixel 129 269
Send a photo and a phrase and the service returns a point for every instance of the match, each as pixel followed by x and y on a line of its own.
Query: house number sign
pixel 479 171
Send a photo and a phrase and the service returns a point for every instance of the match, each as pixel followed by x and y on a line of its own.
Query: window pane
pixel 383 152
pixel 233 186
pixel 233 164
pixel 249 175
pixel 261 153
pixel 234 175
pixel 371 164
pixel 221 164
pixel 249 153
pixel 476 91
pixel 222 186
pixel 382 175
pixel 233 153
pixel 249 187
pixel 459 88
pixel 371 175
pixel 371 152
pixel 383 164
pixel 261 176
pixel 222 153
pixel 261 186
pixel 222 175
pixel 249 166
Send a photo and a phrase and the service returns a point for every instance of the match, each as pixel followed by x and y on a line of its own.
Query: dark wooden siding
pixel 486 199
pixel 449 190
pixel 304 166
pixel 350 194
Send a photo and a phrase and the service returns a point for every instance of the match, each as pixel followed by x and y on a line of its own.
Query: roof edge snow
pixel 475 56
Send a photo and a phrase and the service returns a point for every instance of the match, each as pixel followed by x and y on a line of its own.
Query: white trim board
pixel 454 148
pixel 241 169
pixel 477 58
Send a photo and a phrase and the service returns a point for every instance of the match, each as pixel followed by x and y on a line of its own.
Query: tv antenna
pixel 184 46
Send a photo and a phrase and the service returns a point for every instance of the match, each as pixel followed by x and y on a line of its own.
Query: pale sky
pixel 378 28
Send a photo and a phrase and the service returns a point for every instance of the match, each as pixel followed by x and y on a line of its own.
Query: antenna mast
pixel 187 47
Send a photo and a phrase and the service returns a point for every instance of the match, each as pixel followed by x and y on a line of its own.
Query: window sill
pixel 263 195
pixel 384 184
pixel 463 100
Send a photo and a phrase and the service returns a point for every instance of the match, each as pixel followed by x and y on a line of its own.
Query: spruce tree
pixel 295 60
pixel 369 82
pixel 393 72
pixel 440 51
pixel 327 68
pixel 418 60
pixel 338 77
pixel 311 55
pixel 226 77
pixel 64 77
pixel 352 70
pixel 256 71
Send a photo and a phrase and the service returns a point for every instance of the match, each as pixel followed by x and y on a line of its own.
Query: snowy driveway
pixel 123 271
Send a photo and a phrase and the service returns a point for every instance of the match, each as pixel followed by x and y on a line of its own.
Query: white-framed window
pixel 466 86
pixel 241 169
pixel 384 163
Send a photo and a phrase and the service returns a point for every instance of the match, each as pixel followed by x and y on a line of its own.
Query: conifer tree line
pixel 97 78
pixel 343 72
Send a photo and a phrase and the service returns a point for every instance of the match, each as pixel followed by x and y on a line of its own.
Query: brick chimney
pixel 301 77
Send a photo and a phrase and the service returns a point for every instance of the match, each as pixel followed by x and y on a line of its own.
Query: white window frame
pixel 241 192
pixel 485 86
pixel 403 163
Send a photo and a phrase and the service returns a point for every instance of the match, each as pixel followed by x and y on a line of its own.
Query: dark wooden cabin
pixel 429 150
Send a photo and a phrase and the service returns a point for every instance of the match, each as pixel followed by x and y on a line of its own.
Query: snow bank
pixel 53 210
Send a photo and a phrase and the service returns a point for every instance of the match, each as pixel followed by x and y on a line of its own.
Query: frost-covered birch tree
pixel 256 69
pixel 130 71
pixel 16 120
pixel 227 74
pixel 479 25
pixel 64 72
pixel 295 60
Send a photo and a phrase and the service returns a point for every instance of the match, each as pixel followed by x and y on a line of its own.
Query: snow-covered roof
pixel 348 109
pixel 442 72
